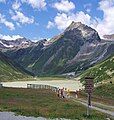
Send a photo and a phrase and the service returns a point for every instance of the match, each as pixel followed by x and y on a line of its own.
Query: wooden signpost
pixel 89 85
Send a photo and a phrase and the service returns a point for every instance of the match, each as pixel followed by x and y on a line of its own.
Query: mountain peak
pixel 84 31
pixel 15 44
pixel 22 39
pixel 76 23
pixel 73 25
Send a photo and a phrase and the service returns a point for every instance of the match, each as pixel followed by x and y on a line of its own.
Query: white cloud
pixel 8 24
pixel 82 17
pixel 63 20
pixel 106 25
pixel 8 37
pixel 50 25
pixel 3 1
pixel 106 4
pixel 64 6
pixel 103 26
pixel 38 4
pixel 20 17
pixel 16 5
pixel 65 15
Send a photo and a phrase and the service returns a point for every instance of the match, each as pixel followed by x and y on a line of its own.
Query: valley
pixel 61 62
pixel 56 59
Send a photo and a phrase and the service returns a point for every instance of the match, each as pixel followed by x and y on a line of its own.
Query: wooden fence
pixel 39 86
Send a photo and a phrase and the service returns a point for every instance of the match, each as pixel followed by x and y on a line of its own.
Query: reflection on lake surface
pixel 11 116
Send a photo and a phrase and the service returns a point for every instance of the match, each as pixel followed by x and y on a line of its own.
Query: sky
pixel 39 19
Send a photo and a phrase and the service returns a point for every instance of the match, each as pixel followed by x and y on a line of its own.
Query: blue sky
pixel 37 19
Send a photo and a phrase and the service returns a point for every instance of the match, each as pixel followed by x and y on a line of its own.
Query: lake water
pixel 69 84
pixel 11 116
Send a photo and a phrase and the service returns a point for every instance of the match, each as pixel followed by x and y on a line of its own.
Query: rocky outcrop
pixel 15 44
pixel 109 37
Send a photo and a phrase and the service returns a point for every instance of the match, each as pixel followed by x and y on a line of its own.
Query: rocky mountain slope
pixel 109 37
pixel 27 56
pixel 10 70
pixel 101 71
pixel 76 49
pixel 15 44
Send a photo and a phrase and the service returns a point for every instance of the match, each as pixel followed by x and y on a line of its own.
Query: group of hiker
pixel 65 93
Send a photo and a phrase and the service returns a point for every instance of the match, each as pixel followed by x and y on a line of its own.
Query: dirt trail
pixel 104 109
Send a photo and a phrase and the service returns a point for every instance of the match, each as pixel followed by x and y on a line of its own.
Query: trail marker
pixel 89 85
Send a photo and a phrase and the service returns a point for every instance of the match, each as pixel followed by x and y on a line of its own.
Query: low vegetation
pixel 10 71
pixel 101 71
pixel 103 74
pixel 104 93
pixel 43 103
pixel 51 78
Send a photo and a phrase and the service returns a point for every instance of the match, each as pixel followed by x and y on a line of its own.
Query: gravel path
pixel 100 105
pixel 97 108
pixel 11 116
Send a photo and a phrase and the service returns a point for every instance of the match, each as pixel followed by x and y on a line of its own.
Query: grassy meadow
pixel 103 93
pixel 45 103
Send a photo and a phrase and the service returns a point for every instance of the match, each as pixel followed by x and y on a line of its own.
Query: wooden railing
pixel 39 86
pixel 1 85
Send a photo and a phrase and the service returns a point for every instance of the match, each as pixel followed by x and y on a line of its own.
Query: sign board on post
pixel 89 85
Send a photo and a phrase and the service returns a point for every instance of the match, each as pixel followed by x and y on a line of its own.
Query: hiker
pixel 68 93
pixel 65 93
pixel 76 94
pixel 58 92
pixel 61 93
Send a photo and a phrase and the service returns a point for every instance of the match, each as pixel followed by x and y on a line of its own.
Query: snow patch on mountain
pixel 7 46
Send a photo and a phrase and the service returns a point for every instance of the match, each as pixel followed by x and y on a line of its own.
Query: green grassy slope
pixel 101 71
pixel 9 71
pixel 45 103
pixel 26 56
pixel 104 93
